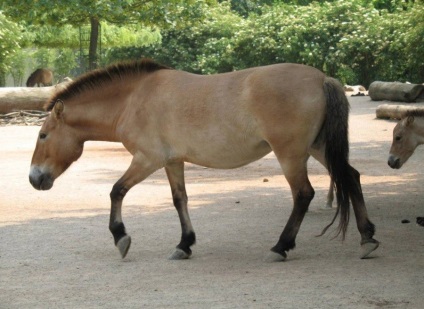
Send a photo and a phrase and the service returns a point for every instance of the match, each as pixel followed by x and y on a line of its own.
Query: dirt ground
pixel 56 250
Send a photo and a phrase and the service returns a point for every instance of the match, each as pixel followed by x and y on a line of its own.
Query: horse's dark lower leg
pixel 116 226
pixel 365 227
pixel 188 237
pixel 139 169
pixel 175 173
pixel 294 168
pixel 286 242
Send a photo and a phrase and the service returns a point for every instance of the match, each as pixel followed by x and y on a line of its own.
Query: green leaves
pixel 350 40
pixel 10 36
pixel 357 41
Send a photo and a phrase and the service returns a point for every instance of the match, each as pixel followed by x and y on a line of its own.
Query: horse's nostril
pixel 393 162
pixel 40 180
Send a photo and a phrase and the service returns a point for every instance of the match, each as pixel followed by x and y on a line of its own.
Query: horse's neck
pixel 96 122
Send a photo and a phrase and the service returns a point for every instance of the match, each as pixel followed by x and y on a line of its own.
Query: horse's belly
pixel 228 156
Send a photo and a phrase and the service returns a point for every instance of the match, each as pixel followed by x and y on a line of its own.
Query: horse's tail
pixel 337 149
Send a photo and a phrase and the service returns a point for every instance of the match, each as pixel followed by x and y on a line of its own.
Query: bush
pixel 10 35
pixel 350 40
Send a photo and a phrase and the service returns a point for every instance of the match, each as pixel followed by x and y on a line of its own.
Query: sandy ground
pixel 56 250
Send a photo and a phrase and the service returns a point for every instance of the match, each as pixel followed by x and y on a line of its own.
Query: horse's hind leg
pixel 175 173
pixel 296 174
pixel 364 225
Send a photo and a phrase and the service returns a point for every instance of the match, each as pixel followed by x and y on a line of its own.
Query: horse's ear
pixel 58 109
pixel 409 120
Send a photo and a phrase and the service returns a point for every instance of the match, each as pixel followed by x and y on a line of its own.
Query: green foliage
pixel 48 36
pixel 161 13
pixel 202 47
pixel 76 13
pixel 408 42
pixel 351 40
pixel 10 36
pixel 69 37
pixel 357 41
pixel 130 35
pixel 17 67
pixel 64 62
pixel 43 58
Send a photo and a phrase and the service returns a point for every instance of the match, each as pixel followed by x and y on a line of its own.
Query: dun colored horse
pixel 408 134
pixel 166 117
pixel 40 77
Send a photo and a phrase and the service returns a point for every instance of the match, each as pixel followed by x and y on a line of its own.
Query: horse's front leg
pixel 139 170
pixel 175 173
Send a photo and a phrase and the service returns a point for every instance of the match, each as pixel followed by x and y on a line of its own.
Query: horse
pixel 40 77
pixel 408 134
pixel 166 117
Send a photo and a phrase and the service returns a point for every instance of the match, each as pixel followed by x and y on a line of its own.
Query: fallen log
pixel 386 111
pixel 395 91
pixel 26 98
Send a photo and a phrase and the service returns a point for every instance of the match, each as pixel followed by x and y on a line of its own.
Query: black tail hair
pixel 337 149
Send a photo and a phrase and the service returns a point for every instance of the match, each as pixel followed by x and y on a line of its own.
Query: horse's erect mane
pixel 99 77
pixel 414 113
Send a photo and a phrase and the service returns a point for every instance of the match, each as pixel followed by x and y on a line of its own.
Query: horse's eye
pixel 43 135
pixel 398 138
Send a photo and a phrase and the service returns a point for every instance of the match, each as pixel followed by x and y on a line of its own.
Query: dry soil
pixel 56 250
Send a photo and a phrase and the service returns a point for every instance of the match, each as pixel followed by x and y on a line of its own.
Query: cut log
pixel 395 91
pixel 386 111
pixel 26 98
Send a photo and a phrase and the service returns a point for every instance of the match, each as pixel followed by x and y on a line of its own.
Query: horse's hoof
pixel 327 206
pixel 123 245
pixel 368 247
pixel 179 254
pixel 275 257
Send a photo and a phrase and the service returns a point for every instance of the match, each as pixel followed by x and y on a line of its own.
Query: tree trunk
pixel 2 78
pixel 94 36
pixel 386 111
pixel 26 98
pixel 395 91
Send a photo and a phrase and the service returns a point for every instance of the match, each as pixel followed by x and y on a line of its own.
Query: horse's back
pixel 279 84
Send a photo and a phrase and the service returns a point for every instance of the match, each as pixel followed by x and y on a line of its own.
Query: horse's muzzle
pixel 40 180
pixel 394 162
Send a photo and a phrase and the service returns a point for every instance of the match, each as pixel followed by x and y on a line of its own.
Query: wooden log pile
pixel 386 111
pixel 395 91
pixel 24 105
pixel 14 99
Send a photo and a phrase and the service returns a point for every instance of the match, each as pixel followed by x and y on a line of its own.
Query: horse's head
pixel 57 147
pixel 403 144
